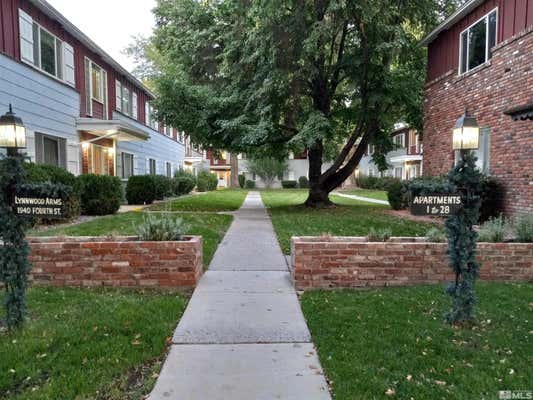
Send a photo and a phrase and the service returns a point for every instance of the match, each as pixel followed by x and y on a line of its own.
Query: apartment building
pixel 83 111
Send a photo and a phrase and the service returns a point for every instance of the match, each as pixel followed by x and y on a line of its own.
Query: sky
pixel 110 23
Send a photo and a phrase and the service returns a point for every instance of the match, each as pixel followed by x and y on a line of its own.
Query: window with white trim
pixel 126 100
pixel 95 86
pixel 169 169
pixel 476 42
pixel 399 140
pixel 127 165
pixel 152 166
pixel 45 51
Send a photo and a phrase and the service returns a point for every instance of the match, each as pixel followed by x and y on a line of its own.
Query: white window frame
pixel 487 50
pixel 118 95
pixel 134 105
pixel 90 87
pixel 122 154
pixel 150 164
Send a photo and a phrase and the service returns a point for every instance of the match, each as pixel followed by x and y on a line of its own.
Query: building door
pixel 101 158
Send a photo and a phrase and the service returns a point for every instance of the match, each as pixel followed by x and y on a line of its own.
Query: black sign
pixel 436 204
pixel 38 206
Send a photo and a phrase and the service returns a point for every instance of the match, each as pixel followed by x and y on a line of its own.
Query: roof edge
pixel 51 12
pixel 462 11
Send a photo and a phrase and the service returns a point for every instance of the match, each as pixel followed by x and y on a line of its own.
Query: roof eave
pixel 451 20
pixel 50 11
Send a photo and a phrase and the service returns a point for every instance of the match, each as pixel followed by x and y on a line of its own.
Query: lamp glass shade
pixel 466 133
pixel 470 138
pixel 12 131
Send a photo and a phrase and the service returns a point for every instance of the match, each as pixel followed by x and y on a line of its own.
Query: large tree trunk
pixel 318 195
pixel 234 165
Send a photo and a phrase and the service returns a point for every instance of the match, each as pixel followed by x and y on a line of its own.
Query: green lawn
pixel 349 218
pixel 211 227
pixel 395 340
pixel 88 344
pixel 373 194
pixel 220 200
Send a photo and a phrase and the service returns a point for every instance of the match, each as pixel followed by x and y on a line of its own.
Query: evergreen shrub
pixel 99 194
pixel 141 189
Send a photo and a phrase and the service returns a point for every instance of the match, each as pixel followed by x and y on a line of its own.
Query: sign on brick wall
pixel 436 204
pixel 36 205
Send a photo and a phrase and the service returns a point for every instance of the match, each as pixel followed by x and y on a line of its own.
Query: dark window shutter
pixel 62 143
pixel 39 152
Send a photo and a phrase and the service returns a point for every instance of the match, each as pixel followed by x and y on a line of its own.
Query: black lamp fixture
pixel 466 133
pixel 12 131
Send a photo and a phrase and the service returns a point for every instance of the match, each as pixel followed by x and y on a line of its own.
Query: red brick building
pixel 481 59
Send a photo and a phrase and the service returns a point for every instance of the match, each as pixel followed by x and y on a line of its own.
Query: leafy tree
pixel 268 169
pixel 328 76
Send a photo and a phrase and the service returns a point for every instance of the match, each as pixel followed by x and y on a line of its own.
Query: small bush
pixel 435 235
pixel 379 235
pixel 183 184
pixel 99 194
pixel 41 173
pixel 250 184
pixel 493 230
pixel 397 195
pixel 55 190
pixel 524 228
pixel 289 184
pixel 161 228
pixel 206 181
pixel 375 183
pixel 303 182
pixel 242 181
pixel 140 189
pixel 163 186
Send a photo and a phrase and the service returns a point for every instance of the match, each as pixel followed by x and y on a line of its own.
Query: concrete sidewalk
pixel 243 334
pixel 361 198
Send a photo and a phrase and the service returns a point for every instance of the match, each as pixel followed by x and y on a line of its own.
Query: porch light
pixel 466 133
pixel 12 131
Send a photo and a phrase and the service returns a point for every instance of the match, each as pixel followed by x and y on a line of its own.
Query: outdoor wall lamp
pixel 12 132
pixel 466 133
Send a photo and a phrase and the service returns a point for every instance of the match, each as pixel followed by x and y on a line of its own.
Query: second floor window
pixel 476 42
pixel 399 141
pixel 45 51
pixel 95 87
pixel 126 100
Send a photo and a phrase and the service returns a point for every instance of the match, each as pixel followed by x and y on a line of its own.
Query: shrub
pixel 41 173
pixel 397 195
pixel 493 230
pixel 206 181
pixel 99 194
pixel 242 180
pixel 374 182
pixel 160 228
pixel 303 182
pixel 435 235
pixel 250 184
pixel 289 184
pixel 140 189
pixel 183 184
pixel 163 186
pixel 379 235
pixel 524 228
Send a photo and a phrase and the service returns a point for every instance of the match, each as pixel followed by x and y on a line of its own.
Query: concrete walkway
pixel 361 198
pixel 243 335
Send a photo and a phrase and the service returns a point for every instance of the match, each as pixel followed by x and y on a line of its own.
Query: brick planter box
pixel 348 262
pixel 117 262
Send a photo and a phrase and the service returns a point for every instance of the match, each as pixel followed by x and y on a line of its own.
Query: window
pixel 45 51
pixel 95 86
pixel 399 141
pixel 126 101
pixel 102 159
pixel 152 167
pixel 127 165
pixel 168 131
pixel 370 149
pixel 169 169
pixel 482 153
pixel 476 42
pixel 398 172
pixel 50 150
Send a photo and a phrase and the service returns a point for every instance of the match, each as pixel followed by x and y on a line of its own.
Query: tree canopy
pixel 266 78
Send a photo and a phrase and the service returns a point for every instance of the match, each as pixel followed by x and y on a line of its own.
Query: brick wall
pixel 348 262
pixel 118 262
pixel 506 81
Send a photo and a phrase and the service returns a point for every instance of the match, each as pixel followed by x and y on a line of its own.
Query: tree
pixel 293 74
pixel 268 169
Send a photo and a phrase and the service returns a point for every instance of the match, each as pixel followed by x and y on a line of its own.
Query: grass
pixel 373 194
pixel 395 340
pixel 220 200
pixel 87 344
pixel 211 227
pixel 348 218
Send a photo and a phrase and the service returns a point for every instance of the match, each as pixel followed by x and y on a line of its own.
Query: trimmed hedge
pixel 375 182
pixel 289 184
pixel 141 189
pixel 68 188
pixel 206 181
pixel 303 182
pixel 242 180
pixel 250 184
pixel 163 186
pixel 398 196
pixel 99 194
pixel 183 184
